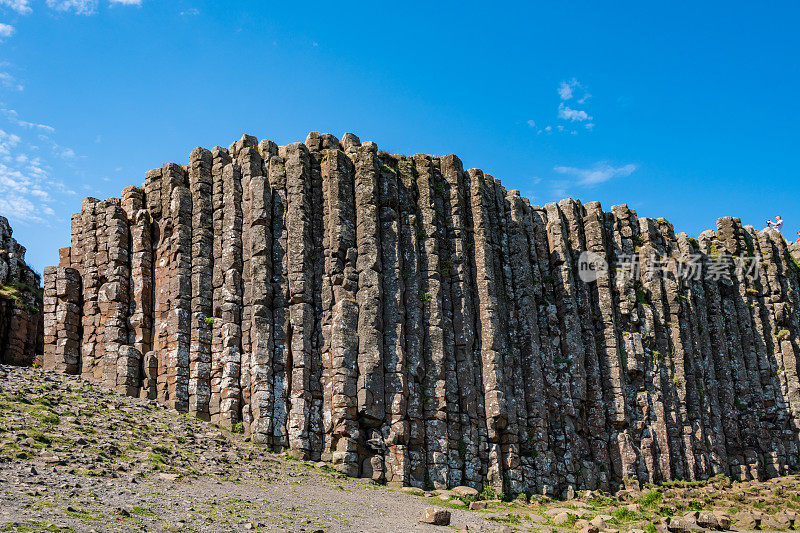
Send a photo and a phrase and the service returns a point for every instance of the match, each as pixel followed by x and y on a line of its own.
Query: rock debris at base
pixel 78 457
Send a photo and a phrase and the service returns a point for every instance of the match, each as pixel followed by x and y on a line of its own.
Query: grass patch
pixel 623 514
pixel 651 499
pixel 49 418
pixel 510 519
pixel 15 292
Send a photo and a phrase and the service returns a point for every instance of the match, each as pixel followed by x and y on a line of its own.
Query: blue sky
pixel 683 110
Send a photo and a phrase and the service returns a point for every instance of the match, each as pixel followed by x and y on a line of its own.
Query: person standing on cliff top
pixel 778 224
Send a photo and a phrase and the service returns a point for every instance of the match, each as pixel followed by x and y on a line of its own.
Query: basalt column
pixel 418 324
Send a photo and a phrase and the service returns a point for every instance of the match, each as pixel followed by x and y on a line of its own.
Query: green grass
pixel 142 511
pixel 656 357
pixel 570 522
pixel 623 514
pixel 695 505
pixel 49 418
pixel 511 519
pixel 15 292
pixel 651 499
pixel 794 261
pixel 642 297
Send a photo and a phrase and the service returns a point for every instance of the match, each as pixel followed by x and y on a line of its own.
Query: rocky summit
pixel 410 322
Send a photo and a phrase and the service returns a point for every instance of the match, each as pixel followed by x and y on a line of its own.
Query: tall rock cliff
pixel 20 303
pixel 416 323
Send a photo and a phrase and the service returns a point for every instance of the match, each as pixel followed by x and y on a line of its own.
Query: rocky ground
pixel 76 457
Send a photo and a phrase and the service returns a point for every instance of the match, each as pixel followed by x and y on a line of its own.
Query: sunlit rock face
pixel 406 320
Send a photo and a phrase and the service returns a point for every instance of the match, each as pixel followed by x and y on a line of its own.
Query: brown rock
pixel 437 517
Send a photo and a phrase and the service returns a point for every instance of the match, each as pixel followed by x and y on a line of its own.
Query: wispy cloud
pixel 13 117
pixel 573 115
pixel 6 31
pixel 22 7
pixel 575 92
pixel 27 186
pixel 127 2
pixel 10 82
pixel 191 12
pixel 598 173
pixel 80 7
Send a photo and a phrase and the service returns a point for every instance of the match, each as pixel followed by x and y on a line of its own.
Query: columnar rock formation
pixel 20 303
pixel 413 322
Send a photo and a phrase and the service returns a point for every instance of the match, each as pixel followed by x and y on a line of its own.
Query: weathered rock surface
pixel 437 517
pixel 20 303
pixel 412 322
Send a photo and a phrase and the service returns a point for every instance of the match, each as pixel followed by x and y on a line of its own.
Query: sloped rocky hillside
pixel 78 457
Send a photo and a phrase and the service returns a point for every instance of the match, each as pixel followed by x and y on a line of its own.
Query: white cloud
pixel 566 88
pixel 27 188
pixel 574 115
pixel 126 2
pixel 81 7
pixel 573 88
pixel 10 82
pixel 6 30
pixel 20 6
pixel 13 117
pixel 191 12
pixel 598 173
pixel 8 141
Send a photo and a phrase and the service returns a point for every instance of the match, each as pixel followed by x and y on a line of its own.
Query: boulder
pixel 477 506
pixel 561 518
pixel 723 519
pixel 437 517
pixel 748 520
pixel 465 492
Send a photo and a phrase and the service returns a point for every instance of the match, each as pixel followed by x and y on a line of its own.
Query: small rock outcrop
pixel 435 516
pixel 20 303
pixel 415 323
